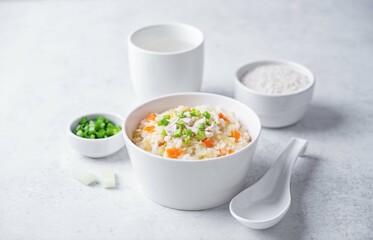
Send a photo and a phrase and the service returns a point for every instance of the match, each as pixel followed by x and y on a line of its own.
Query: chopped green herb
pixel 187 139
pixel 200 135
pixel 101 133
pixel 163 122
pixel 83 121
pixel 110 132
pixel 115 131
pixel 195 113
pixel 101 119
pixel 100 127
pixel 207 115
pixel 79 133
pixel 164 133
pixel 166 117
pixel 181 114
pixel 178 133
pixel 188 132
pixel 91 129
pixel 201 126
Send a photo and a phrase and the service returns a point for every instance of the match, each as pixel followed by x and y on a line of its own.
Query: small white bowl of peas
pixel 96 135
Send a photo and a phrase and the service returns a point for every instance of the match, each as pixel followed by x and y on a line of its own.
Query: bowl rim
pixel 165 24
pixel 128 140
pixel 303 68
pixel 71 133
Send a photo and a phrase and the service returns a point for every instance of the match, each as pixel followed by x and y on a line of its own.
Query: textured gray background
pixel 59 59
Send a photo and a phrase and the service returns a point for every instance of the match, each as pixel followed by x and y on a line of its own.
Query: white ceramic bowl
pixel 96 148
pixel 275 110
pixel 191 184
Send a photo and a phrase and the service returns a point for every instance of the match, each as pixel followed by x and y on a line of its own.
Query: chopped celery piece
pixel 178 133
pixel 201 126
pixel 200 135
pixel 181 114
pixel 100 119
pixel 195 113
pixel 79 133
pixel 188 132
pixel 101 133
pixel 84 120
pixel 78 128
pixel 207 115
pixel 163 122
pixel 110 132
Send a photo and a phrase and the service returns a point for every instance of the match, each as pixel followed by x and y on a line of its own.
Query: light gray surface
pixel 60 59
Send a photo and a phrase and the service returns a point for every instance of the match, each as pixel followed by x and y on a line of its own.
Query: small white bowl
pixel 191 184
pixel 275 110
pixel 96 148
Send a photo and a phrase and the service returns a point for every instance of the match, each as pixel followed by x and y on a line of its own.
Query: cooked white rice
pixel 194 133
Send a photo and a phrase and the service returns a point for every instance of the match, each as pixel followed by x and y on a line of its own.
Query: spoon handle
pixel 288 157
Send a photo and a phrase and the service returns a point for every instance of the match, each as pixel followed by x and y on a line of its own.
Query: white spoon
pixel 265 203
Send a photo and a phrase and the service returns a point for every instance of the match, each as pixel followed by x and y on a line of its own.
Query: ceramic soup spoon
pixel 265 203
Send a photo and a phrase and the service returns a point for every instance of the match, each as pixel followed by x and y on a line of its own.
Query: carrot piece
pixel 221 115
pixel 209 142
pixel 230 151
pixel 151 117
pixel 149 128
pixel 174 152
pixel 236 135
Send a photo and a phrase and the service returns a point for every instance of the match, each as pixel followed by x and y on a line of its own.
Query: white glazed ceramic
pixel 191 184
pixel 265 203
pixel 275 110
pixel 154 73
pixel 96 148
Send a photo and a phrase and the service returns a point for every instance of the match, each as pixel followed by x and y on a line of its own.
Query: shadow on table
pixel 121 155
pixel 293 225
pixel 318 118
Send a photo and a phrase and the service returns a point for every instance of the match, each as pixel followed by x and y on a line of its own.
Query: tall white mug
pixel 165 58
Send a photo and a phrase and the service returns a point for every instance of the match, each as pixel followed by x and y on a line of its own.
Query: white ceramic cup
pixel 165 58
